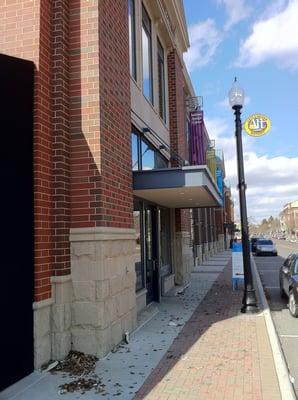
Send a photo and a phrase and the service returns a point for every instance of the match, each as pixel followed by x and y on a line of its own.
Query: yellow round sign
pixel 257 125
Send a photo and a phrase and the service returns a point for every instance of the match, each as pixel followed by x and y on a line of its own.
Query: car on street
pixel 288 282
pixel 253 242
pixel 265 246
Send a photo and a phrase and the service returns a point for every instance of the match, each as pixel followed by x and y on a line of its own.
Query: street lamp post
pixel 249 301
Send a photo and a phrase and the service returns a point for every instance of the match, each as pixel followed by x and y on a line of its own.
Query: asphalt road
pixel 286 326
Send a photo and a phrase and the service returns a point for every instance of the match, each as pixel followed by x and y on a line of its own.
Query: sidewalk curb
pixel 286 388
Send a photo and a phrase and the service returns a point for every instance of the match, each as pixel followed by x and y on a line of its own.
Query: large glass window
pixel 135 151
pixel 132 38
pixel 148 158
pixel 160 161
pixel 161 80
pixel 144 155
pixel 147 55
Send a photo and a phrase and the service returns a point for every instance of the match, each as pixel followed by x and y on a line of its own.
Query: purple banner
pixel 197 138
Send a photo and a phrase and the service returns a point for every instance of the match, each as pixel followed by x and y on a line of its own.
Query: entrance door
pixel 151 254
pixel 16 204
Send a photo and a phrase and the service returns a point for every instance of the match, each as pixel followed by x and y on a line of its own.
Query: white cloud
pixel 204 39
pixel 274 38
pixel 271 181
pixel 237 10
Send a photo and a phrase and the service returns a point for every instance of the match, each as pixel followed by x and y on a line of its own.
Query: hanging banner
pixel 220 185
pixel 197 150
pixel 257 125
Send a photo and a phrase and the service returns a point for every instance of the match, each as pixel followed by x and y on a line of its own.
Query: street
pixel 286 326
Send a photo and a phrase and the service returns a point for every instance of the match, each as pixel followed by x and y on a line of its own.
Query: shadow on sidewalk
pixel 220 303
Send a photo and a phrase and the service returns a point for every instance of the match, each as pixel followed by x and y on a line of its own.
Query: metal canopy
pixel 185 187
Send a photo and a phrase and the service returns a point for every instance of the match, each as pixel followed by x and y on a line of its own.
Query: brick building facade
pixel 93 227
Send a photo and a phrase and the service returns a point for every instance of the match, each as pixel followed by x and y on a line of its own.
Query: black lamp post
pixel 249 301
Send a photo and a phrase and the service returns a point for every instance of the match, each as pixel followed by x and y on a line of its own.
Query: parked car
pixel 265 246
pixel 288 282
pixel 253 242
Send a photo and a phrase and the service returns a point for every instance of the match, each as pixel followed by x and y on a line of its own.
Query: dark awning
pixel 185 187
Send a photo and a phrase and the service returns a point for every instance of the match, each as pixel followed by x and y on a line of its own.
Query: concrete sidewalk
pixel 197 345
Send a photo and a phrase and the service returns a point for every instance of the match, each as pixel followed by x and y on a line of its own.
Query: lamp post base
pixel 249 302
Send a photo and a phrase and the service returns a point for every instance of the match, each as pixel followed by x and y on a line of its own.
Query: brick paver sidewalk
pixel 220 354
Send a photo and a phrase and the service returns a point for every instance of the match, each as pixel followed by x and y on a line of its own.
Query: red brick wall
pixel 177 106
pixel 101 177
pixel 115 124
pixel 61 137
pixel 25 33
pixel 177 111
pixel 82 156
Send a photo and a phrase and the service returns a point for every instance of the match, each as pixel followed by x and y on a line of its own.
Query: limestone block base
pixel 221 242
pixel 206 253
pixel 104 303
pixel 167 283
pixel 183 257
pixel 141 299
pixel 42 332
pixel 61 316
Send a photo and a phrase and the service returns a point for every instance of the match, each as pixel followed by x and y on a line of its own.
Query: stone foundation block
pixel 58 318
pixel 130 280
pixel 141 299
pixel 116 285
pixel 122 303
pixel 61 345
pixel 126 323
pixel 84 340
pixel 42 350
pixel 116 333
pixel 84 313
pixel 62 291
pixel 42 325
pixel 84 291
pixel 110 309
pixel 104 342
pixel 102 289
pixel 132 303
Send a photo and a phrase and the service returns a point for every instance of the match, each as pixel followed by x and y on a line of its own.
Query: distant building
pixel 289 218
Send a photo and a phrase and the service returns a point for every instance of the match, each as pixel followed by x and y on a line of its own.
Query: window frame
pixel 132 39
pixel 147 29
pixel 161 81
pixel 157 154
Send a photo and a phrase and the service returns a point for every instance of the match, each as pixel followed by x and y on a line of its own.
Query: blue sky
pixel 257 41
